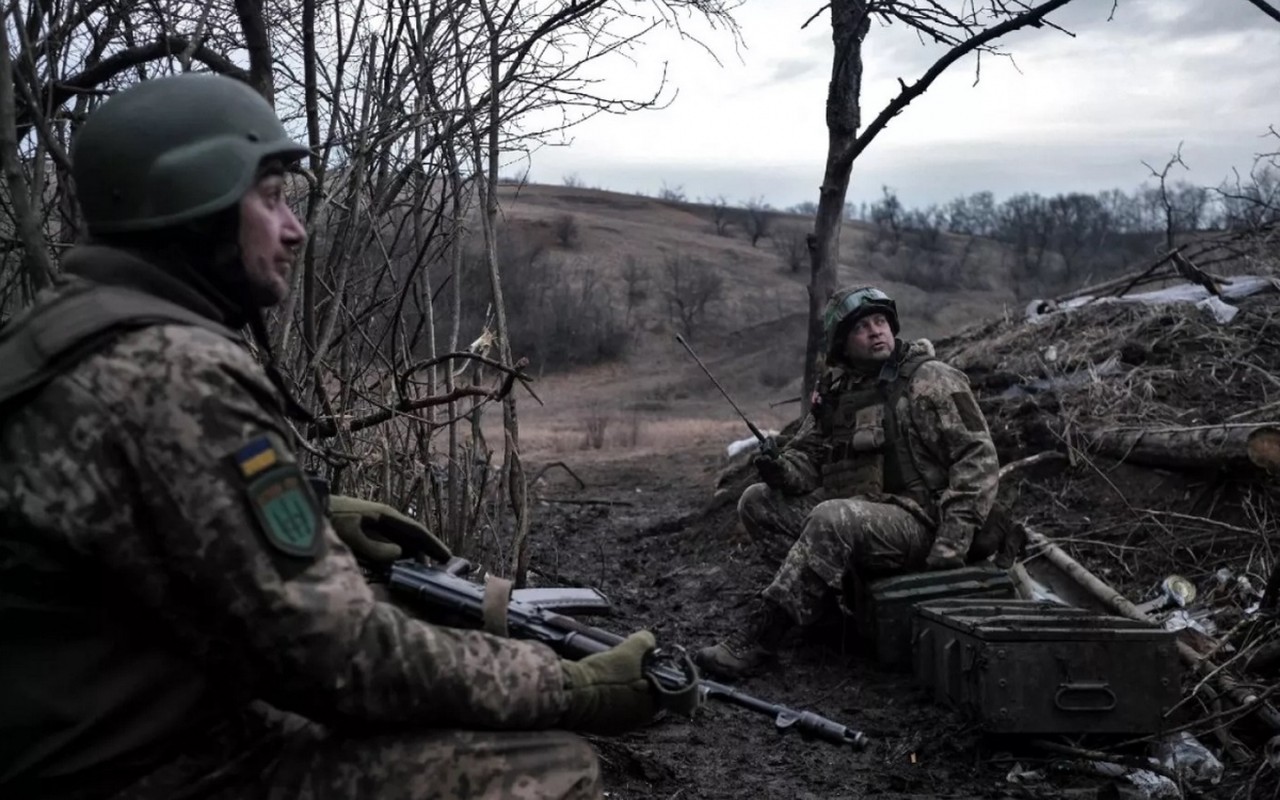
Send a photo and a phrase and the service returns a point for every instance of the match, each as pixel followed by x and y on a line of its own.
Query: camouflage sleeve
pixel 232 576
pixel 947 417
pixel 802 457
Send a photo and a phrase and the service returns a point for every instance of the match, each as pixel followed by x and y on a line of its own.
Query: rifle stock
pixel 441 594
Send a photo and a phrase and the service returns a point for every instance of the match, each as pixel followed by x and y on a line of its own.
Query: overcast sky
pixel 1069 113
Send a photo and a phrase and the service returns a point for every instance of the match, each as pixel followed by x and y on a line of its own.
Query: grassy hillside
pixel 752 336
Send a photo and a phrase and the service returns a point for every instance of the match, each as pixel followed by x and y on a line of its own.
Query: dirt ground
pixel 671 565
pixel 643 530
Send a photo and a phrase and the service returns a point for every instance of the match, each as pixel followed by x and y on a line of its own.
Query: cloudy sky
pixel 1068 113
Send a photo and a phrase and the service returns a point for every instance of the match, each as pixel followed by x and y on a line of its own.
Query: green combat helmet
pixel 849 305
pixel 170 150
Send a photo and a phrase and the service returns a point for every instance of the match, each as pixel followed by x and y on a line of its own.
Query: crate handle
pixel 1103 689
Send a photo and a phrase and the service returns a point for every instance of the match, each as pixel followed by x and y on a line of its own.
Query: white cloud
pixel 1075 113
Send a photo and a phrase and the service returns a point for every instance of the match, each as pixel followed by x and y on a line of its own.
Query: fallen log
pixel 1236 446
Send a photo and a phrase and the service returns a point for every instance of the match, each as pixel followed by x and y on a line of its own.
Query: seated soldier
pixel 180 617
pixel 893 470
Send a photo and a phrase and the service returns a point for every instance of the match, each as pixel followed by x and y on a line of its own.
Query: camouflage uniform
pixel 818 534
pixel 150 610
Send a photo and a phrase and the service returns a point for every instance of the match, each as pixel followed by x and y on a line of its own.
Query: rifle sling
pixel 497 596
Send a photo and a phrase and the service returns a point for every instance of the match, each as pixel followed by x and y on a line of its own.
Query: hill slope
pixel 752 336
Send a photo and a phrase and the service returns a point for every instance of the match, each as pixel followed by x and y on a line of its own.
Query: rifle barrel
pixel 441 591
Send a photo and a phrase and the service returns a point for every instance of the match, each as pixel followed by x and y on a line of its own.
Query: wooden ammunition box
pixel 1032 667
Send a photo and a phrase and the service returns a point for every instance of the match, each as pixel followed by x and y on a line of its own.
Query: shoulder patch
pixel 281 498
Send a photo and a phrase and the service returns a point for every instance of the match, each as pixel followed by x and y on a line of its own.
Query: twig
pixel 585 502
pixel 1193 518
pixel 563 466
pixel 1029 461
pixel 1139 762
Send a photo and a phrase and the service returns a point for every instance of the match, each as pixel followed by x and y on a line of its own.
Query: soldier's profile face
pixel 870 339
pixel 270 236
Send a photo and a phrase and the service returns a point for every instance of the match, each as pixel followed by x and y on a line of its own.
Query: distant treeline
pixel 1063 238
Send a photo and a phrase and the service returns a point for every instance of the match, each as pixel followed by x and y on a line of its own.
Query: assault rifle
pixel 444 596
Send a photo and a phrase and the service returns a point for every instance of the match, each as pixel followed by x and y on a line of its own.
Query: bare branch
pixel 89 79
pixel 35 252
pixel 1030 18
pixel 1266 8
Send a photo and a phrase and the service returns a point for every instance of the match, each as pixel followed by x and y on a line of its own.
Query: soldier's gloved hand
pixel 608 692
pixel 379 534
pixel 943 556
pixel 769 447
pixel 772 470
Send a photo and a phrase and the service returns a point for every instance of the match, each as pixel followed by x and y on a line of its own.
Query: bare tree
pixel 691 287
pixel 408 111
pixel 791 247
pixel 567 232
pixel 757 219
pixel 721 216
pixel 636 279
pixel 973 27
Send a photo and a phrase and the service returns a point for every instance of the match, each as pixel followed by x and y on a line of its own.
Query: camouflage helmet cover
pixel 849 305
pixel 174 149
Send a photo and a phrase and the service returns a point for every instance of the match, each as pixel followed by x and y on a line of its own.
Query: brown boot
pixel 748 647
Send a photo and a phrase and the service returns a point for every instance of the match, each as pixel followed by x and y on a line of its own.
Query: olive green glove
pixel 609 692
pixel 379 534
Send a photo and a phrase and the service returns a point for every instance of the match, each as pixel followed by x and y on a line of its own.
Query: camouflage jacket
pixel 946 436
pixel 145 598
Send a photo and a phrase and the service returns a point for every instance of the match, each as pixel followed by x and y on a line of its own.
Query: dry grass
pixel 626 435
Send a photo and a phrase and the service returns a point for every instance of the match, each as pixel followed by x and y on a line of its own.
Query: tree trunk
pixel 516 484
pixel 259 46
pixel 35 250
pixel 849 24
pixel 1201 447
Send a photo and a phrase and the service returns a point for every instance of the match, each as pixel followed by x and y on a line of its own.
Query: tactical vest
pixel 867 452
pixel 64 328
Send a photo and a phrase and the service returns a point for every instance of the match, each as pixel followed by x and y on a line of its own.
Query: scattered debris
pixel 1166 407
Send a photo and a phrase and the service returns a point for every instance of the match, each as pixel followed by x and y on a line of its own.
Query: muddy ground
pixel 671 565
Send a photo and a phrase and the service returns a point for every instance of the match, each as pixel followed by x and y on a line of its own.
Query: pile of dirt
pixel 1123 364
pixel 1097 383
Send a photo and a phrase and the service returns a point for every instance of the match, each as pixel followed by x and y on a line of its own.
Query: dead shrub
pixel 593 436
pixel 567 232
pixel 629 435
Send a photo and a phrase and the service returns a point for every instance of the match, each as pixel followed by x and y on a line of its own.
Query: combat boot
pixel 748 647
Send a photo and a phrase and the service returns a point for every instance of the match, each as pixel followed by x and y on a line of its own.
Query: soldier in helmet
pixel 893 470
pixel 180 618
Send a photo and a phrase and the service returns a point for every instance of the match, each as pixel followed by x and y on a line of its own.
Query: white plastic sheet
pixel 1238 287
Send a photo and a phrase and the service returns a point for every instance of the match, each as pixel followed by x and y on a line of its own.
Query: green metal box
pixel 883 608
pixel 1033 667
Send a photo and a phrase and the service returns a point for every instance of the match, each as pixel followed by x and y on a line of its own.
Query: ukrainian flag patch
pixel 256 456
pixel 282 502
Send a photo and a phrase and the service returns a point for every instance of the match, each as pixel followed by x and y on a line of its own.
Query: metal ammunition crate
pixel 883 608
pixel 1024 666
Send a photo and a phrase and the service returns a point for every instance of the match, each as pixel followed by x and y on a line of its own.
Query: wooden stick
pixel 1030 461
pixel 585 502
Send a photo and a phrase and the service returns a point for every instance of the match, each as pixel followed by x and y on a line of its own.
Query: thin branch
pixel 1032 17
pixel 1266 8
pixel 35 253
pixel 94 76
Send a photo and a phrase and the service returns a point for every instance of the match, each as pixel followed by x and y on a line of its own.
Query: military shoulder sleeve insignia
pixel 280 497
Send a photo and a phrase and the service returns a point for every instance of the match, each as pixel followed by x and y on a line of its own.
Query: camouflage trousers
pixel 825 539
pixel 307 761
